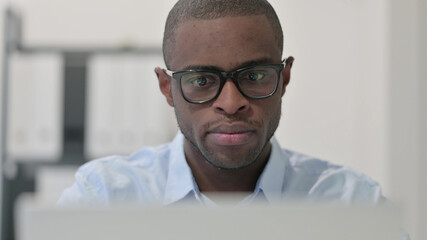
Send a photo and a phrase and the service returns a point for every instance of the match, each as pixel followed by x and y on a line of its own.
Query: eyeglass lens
pixel 254 82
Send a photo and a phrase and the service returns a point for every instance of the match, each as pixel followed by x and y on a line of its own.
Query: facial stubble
pixel 215 159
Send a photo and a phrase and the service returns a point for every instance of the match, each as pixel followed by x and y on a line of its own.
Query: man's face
pixel 231 131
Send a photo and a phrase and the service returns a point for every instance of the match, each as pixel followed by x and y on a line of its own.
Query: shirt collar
pixel 180 180
pixel 271 181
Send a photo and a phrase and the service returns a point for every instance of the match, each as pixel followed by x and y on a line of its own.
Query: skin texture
pixel 226 140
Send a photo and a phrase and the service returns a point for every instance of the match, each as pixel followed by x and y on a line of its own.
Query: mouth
pixel 231 135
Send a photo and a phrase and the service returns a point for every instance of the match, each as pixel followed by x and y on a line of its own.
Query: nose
pixel 230 100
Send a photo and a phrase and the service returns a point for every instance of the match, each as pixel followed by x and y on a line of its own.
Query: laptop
pixel 38 221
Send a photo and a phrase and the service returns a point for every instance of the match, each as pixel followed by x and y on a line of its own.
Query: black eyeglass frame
pixel 223 76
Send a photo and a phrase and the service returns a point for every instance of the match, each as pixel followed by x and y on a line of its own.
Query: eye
pixel 200 81
pixel 255 76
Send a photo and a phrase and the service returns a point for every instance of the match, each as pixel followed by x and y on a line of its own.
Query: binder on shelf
pixel 35 107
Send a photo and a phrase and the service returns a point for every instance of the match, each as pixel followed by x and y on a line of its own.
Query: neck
pixel 216 180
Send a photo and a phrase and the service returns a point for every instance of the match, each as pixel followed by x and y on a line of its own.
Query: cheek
pixel 269 106
pixel 189 116
pixel 271 111
pixel 176 94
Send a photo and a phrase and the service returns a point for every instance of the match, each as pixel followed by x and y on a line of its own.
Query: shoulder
pixel 321 179
pixel 138 177
pixel 146 160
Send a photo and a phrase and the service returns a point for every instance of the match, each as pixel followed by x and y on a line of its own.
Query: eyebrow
pixel 242 65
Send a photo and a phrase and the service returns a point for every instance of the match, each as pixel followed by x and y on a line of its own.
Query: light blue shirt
pixel 161 175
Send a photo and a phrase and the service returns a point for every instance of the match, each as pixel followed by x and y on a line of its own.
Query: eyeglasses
pixel 254 82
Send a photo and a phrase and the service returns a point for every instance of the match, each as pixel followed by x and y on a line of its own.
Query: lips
pixel 230 135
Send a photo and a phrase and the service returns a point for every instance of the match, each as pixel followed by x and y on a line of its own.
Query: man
pixel 225 78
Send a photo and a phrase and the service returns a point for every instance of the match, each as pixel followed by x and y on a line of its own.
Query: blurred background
pixel 78 83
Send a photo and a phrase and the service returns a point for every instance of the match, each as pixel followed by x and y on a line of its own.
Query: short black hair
pixel 185 10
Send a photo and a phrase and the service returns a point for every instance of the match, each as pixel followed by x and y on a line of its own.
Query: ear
pixel 164 84
pixel 286 73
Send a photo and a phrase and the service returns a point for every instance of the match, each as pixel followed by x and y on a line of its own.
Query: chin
pixel 232 161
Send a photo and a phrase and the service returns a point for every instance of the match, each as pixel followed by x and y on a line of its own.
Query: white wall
pixel 408 111
pixel 336 104
pixel 93 23
pixel 422 222
pixel 341 103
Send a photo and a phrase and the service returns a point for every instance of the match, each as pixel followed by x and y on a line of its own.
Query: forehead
pixel 224 42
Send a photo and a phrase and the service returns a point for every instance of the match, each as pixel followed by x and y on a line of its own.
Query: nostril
pixel 230 110
pixel 242 108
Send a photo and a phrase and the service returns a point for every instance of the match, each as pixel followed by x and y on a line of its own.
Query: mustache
pixel 250 122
